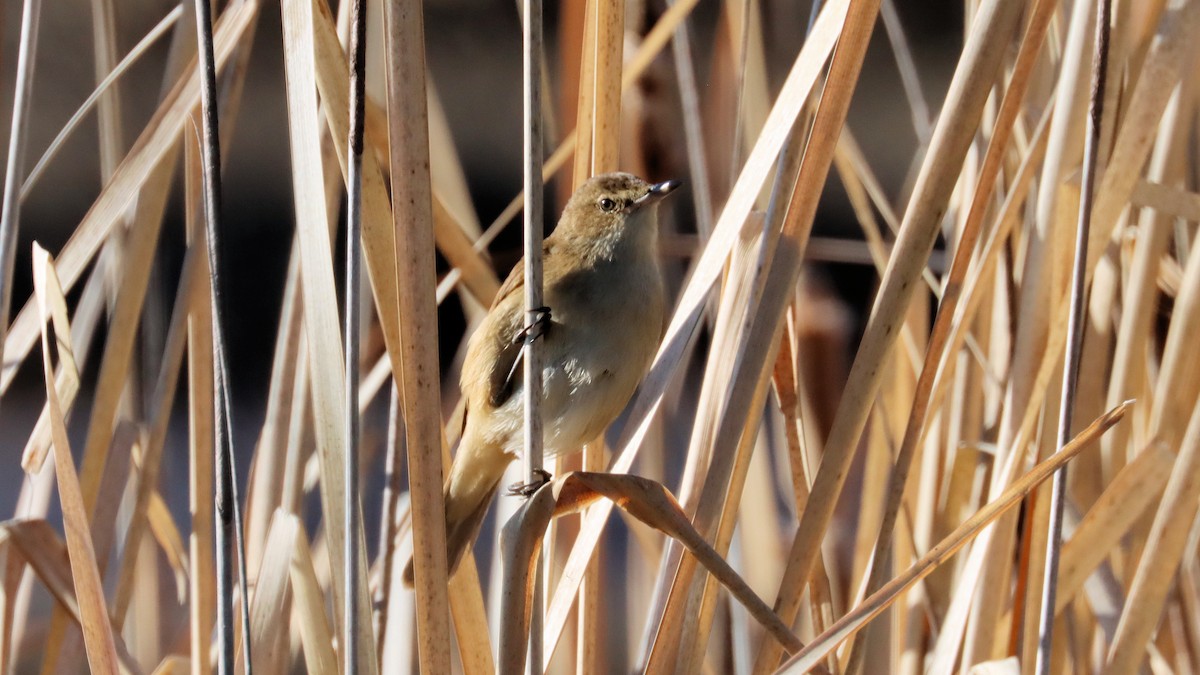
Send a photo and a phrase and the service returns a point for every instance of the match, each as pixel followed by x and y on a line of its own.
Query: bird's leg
pixel 527 489
pixel 534 330
pixel 537 327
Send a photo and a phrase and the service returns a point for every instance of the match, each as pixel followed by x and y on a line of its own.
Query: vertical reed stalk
pixel 533 222
pixel 1075 319
pixel 224 495
pixel 353 524
pixel 10 211
pixel 408 138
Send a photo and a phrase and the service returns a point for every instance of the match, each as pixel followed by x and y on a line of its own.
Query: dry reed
pixel 836 477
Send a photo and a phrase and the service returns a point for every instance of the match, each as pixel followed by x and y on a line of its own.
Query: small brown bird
pixel 604 292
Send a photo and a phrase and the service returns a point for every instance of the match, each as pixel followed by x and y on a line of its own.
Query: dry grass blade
pixel 908 70
pixel 975 285
pixel 1166 199
pixel 272 452
pixel 859 617
pixel 123 331
pixel 201 456
pixel 166 533
pixel 1169 56
pixel 270 605
pixel 1163 552
pixel 11 568
pixel 585 106
pixel 173 665
pixel 642 498
pixel 1177 387
pixel 67 381
pixel 379 238
pixel 408 136
pixel 325 355
pixel 452 240
pixel 101 89
pixel 316 635
pixel 109 113
pixel 83 329
pixel 698 624
pixel 702 198
pixel 701 485
pixel 164 397
pixel 37 543
pixel 606 117
pixel 1134 489
pixel 469 614
pixel 105 538
pixel 383 578
pixel 93 611
pixel 102 520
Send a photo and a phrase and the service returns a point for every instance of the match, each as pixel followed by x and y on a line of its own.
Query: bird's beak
pixel 656 193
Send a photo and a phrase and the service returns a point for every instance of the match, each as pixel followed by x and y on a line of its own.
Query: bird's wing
pixel 508 345
pixel 508 308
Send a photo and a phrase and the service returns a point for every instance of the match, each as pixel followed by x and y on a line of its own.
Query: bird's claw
pixel 537 327
pixel 527 489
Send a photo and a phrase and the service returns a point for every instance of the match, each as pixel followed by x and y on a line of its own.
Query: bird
pixel 603 320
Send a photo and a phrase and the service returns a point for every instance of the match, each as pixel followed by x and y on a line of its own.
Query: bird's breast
pixel 605 330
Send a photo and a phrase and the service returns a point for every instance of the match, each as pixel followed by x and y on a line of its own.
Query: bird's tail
pixel 474 479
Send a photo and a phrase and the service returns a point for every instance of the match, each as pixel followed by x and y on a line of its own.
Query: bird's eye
pixel 607 205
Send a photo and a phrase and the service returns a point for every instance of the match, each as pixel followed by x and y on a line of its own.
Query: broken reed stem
pixel 354 208
pixel 532 136
pixel 1079 292
pixel 224 496
pixel 11 214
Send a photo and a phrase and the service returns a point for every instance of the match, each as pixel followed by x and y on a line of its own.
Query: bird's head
pixel 612 207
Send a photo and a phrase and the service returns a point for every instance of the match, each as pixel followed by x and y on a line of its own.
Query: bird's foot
pixel 540 321
pixel 527 489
